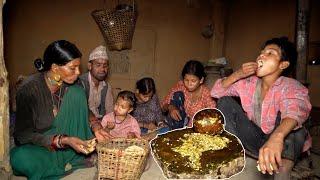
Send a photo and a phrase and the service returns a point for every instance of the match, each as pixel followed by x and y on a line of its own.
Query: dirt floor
pixel 154 172
pixel 308 168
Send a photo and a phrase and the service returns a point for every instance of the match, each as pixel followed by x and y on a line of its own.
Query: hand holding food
pixel 102 135
pixel 247 69
pixel 74 142
pixel 110 125
pixel 90 146
pixel 131 135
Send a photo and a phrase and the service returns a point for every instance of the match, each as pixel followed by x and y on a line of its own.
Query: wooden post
pixel 5 169
pixel 302 39
pixel 219 19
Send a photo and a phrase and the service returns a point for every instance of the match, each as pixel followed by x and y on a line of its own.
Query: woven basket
pixel 117 26
pixel 114 162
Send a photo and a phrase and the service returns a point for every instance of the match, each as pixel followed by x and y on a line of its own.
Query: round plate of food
pixel 204 151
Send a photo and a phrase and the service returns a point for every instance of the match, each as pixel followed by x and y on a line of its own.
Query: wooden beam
pixel 219 21
pixel 5 169
pixel 302 38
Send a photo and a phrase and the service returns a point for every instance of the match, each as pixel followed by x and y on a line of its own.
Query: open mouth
pixel 260 64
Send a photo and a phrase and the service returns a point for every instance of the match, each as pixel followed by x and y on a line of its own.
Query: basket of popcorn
pixel 122 158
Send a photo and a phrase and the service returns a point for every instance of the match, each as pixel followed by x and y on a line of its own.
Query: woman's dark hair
pixel 146 85
pixel 288 52
pixel 128 96
pixel 193 67
pixel 59 52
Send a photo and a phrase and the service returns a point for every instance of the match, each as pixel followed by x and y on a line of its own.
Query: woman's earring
pixel 201 81
pixel 56 77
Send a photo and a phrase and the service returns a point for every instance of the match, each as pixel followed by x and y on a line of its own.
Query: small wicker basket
pixel 117 159
pixel 117 26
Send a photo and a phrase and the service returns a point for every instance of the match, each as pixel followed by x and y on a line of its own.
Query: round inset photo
pixel 208 121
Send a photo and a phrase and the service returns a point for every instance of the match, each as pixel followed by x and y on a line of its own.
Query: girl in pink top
pixel 120 123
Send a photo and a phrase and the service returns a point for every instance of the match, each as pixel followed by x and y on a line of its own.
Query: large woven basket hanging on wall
pixel 117 25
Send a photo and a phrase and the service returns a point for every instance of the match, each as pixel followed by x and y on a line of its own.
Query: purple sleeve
pixel 157 110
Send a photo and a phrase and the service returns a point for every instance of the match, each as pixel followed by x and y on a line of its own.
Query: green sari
pixel 37 162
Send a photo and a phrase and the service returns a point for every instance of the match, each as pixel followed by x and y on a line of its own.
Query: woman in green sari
pixel 52 117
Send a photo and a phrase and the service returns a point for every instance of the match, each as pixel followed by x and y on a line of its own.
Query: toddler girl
pixel 120 123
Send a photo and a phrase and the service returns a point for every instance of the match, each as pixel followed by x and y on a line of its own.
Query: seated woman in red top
pixel 274 107
pixel 188 96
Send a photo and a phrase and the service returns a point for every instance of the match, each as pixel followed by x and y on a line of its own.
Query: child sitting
pixel 147 110
pixel 120 123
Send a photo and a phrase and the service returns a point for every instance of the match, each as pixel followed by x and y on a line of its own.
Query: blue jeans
pixel 178 101
pixel 252 137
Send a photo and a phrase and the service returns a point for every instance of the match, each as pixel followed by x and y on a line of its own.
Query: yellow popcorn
pixel 195 144
pixel 207 121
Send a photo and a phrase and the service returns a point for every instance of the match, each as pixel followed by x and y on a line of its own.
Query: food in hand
pixel 131 135
pixel 91 146
pixel 110 125
pixel 259 168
